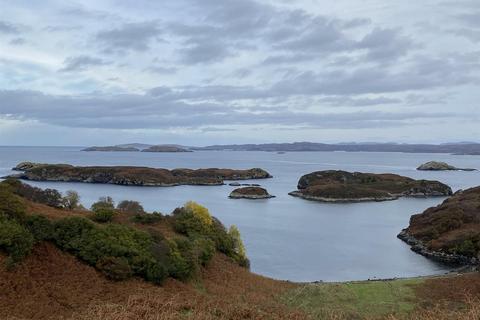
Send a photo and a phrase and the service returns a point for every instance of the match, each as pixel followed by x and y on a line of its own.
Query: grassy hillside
pixel 51 281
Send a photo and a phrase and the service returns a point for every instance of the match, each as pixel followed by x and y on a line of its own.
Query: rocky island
pixel 343 186
pixel 250 193
pixel 450 232
pixel 134 176
pixel 112 149
pixel 441 166
pixel 166 148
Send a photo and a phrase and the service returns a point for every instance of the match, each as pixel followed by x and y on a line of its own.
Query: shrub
pixel 98 246
pixel 192 220
pixel 114 268
pixel 203 250
pixel 103 203
pixel 181 261
pixel 71 200
pixel 40 227
pixel 15 240
pixel 103 215
pixel 240 256
pixel 131 207
pixel 147 218
pixel 11 205
pixel 466 248
pixel 49 197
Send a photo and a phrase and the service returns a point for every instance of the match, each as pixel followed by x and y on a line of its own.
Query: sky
pixel 239 71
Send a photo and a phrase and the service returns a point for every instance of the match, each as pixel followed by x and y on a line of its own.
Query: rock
pixel 250 193
pixel 448 232
pixel 440 166
pixel 22 166
pixel 136 176
pixel 342 186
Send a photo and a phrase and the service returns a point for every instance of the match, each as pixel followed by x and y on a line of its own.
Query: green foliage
pixel 203 250
pixel 40 227
pixel 15 240
pixel 103 215
pixel 181 261
pixel 193 221
pixel 94 244
pixel 11 205
pixel 103 203
pixel 114 268
pixel 467 248
pixel 131 207
pixel 238 247
pixel 49 197
pixel 147 218
pixel 71 200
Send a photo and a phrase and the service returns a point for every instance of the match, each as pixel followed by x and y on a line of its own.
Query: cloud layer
pixel 203 67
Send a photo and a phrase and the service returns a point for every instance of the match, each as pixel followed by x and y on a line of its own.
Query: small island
pixel 166 148
pixel 450 232
pixel 133 176
pixel 112 149
pixel 441 166
pixel 343 186
pixel 253 193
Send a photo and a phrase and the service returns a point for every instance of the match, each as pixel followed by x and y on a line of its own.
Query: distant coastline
pixel 467 148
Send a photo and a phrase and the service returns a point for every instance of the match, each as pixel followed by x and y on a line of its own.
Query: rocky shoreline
pixel 253 193
pixel 419 247
pixel 134 176
pixel 299 194
pixel 441 166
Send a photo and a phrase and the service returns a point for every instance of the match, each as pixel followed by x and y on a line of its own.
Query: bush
pixel 11 205
pixel 240 256
pixel 130 207
pixel 114 268
pixel 49 197
pixel 103 203
pixel 71 200
pixel 181 261
pixel 15 240
pixel 103 215
pixel 203 250
pixel 40 227
pixel 193 219
pixel 99 245
pixel 147 218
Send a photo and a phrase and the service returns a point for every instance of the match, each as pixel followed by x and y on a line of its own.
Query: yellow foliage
pixel 200 212
pixel 238 243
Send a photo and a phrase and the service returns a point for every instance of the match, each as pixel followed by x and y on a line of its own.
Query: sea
pixel 285 237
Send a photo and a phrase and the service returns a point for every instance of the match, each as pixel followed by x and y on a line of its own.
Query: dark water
pixel 286 237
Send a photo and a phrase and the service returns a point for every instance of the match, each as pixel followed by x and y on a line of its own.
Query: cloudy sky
pixel 238 71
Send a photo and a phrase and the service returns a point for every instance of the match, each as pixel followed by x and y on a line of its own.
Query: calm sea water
pixel 286 238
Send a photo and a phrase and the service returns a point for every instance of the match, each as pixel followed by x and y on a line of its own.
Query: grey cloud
pixel 385 44
pixel 470 19
pixel 82 62
pixel 8 28
pixel 18 41
pixel 155 112
pixel 129 37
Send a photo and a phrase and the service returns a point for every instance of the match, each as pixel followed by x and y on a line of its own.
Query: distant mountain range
pixel 461 148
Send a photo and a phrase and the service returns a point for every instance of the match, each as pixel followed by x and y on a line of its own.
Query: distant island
pixel 453 148
pixel 343 186
pixel 450 232
pixel 136 147
pixel 441 166
pixel 166 148
pixel 112 149
pixel 466 148
pixel 134 176
pixel 253 193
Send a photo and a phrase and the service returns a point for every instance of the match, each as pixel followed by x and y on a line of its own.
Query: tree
pixel 71 200
pixel 131 207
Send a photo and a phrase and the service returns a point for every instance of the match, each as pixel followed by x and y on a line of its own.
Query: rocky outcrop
pixel 342 186
pixel 250 193
pixel 165 148
pixel 135 176
pixel 440 166
pixel 112 149
pixel 449 232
